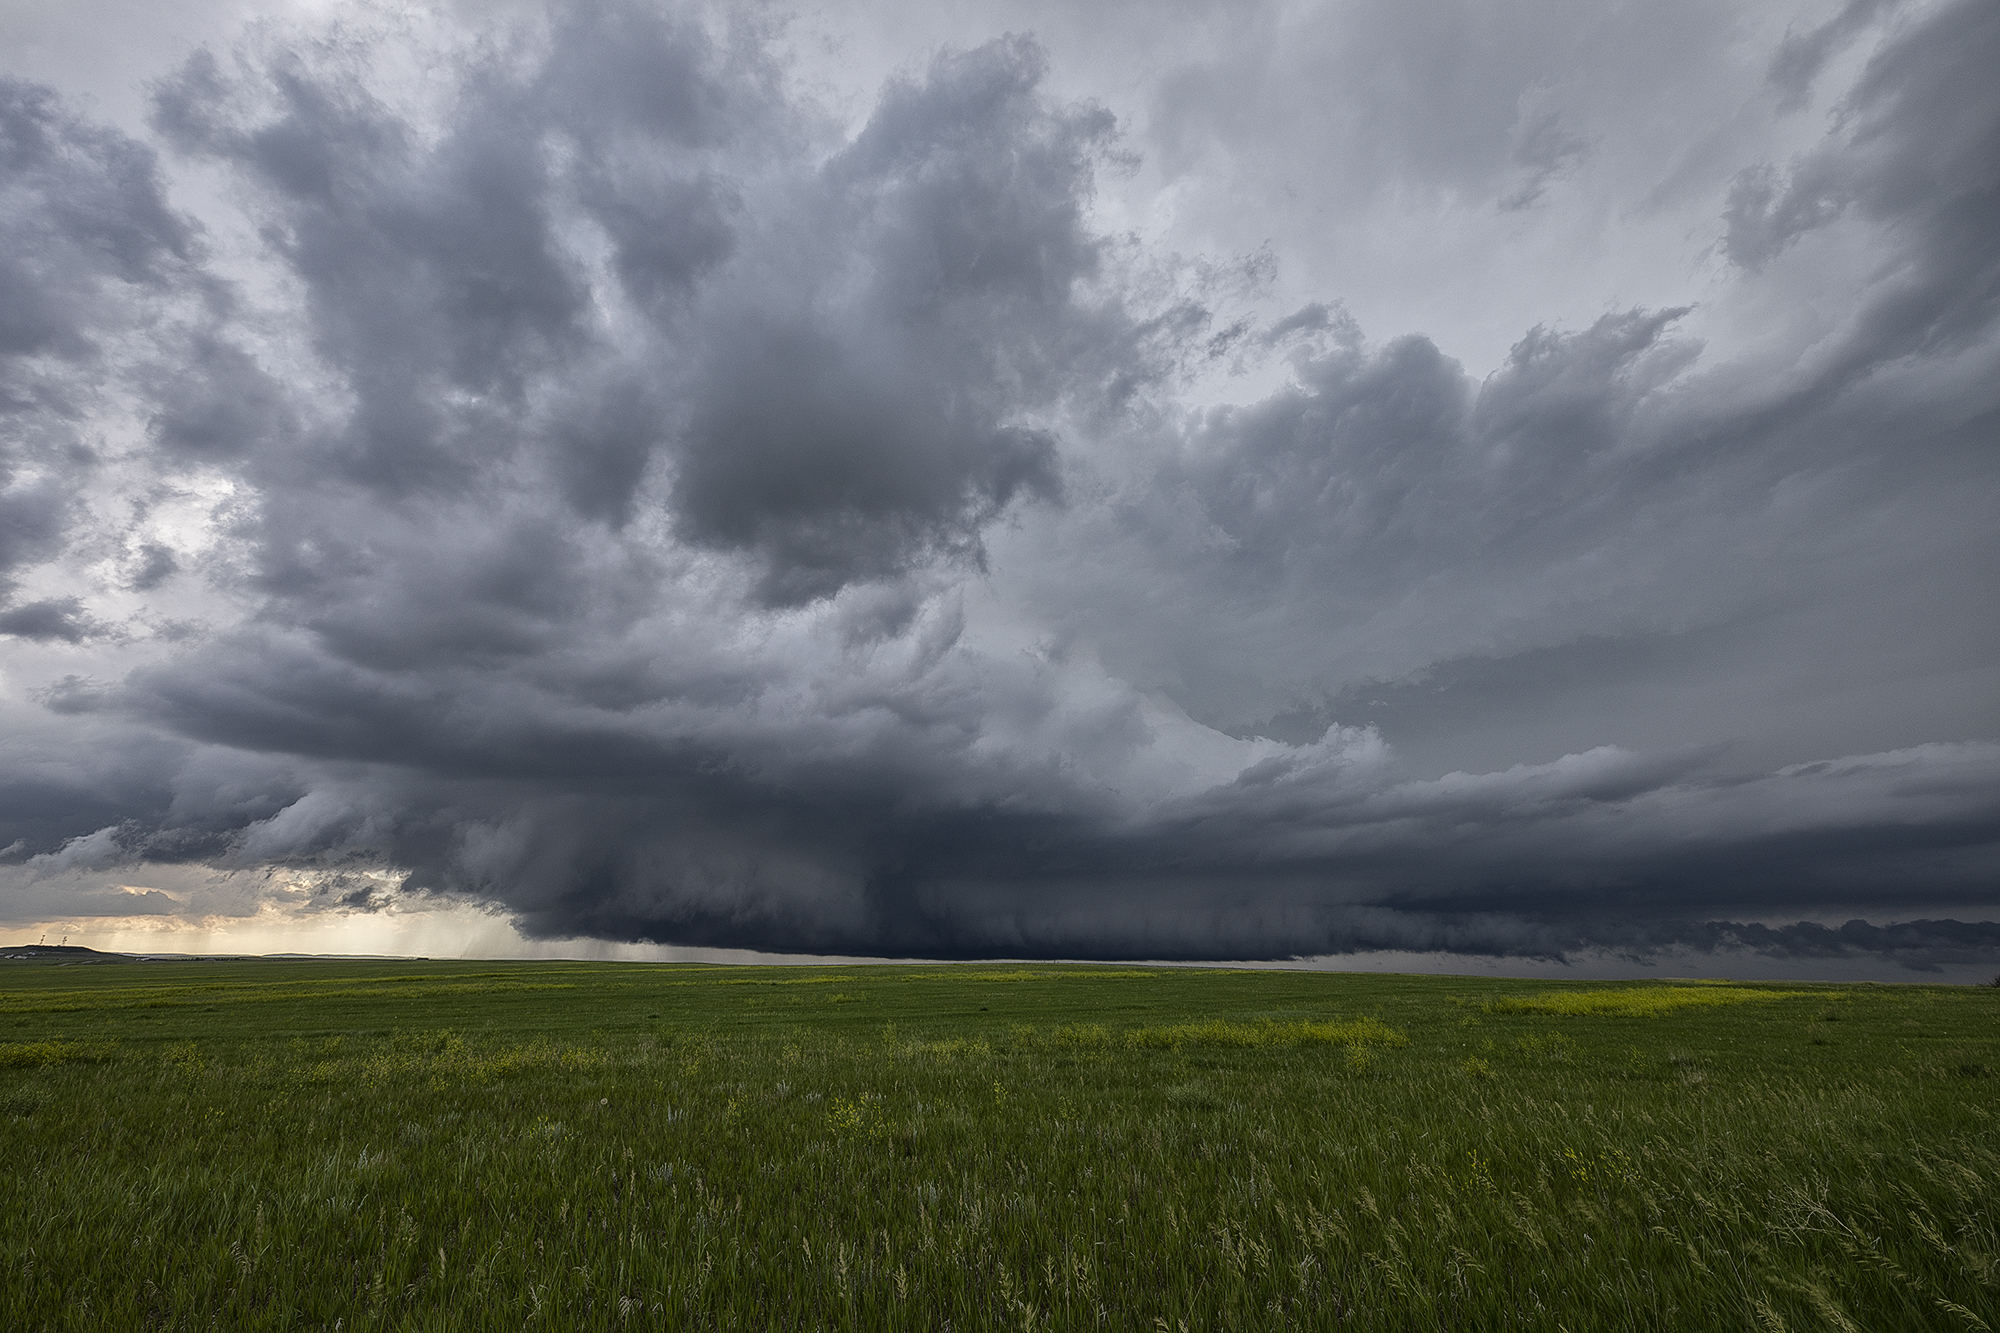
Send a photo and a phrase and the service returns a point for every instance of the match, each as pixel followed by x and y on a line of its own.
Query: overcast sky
pixel 1475 486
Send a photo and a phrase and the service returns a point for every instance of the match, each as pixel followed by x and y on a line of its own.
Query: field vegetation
pixel 411 1145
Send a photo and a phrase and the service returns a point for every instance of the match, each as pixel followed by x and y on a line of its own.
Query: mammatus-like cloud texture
pixel 568 468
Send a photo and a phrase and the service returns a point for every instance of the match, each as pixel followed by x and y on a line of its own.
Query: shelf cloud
pixel 665 478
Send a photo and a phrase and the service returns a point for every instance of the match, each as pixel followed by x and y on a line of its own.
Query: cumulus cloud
pixel 596 481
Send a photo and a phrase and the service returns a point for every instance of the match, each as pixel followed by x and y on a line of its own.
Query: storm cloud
pixel 584 469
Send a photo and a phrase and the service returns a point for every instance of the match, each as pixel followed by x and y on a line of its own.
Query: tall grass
pixel 660 1150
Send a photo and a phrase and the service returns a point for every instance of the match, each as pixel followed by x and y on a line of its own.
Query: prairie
pixel 347 1145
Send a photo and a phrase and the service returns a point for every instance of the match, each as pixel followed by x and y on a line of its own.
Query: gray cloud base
pixel 652 511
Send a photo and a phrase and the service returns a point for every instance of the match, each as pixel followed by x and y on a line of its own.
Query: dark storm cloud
pixel 52 618
pixel 90 243
pixel 841 434
pixel 157 565
pixel 638 506
pixel 1384 469
pixel 84 209
pixel 216 404
pixel 1593 486
pixel 31 521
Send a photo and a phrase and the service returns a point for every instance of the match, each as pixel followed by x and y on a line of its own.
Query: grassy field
pixel 418 1145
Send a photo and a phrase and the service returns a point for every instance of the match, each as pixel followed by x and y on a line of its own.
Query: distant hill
pixel 59 953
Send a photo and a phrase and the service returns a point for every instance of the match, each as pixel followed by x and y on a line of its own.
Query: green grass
pixel 320 1145
pixel 1635 1000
